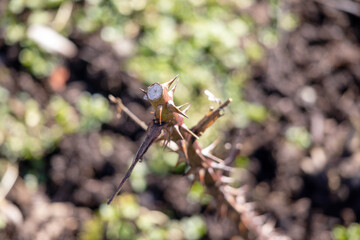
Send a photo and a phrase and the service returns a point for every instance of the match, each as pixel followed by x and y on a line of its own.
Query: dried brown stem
pixel 152 133
pixel 209 119
pixel 120 105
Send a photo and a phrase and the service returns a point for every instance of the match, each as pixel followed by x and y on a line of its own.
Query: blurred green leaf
pixel 299 136
pixel 350 233
pixel 197 194
pixel 242 162
pixel 194 227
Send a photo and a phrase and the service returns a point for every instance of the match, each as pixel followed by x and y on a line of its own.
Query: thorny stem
pixel 206 167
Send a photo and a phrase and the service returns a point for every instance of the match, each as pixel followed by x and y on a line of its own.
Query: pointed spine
pixel 184 149
pixel 159 111
pixel 168 84
pixel 189 131
pixel 209 149
pixel 202 176
pixel 166 142
pixel 171 106
pixel 145 97
pixel 172 90
pixel 168 133
pixel 183 105
pixel 178 131
pixel 187 108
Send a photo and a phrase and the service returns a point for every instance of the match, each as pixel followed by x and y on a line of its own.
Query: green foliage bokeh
pixel 211 44
pixel 351 232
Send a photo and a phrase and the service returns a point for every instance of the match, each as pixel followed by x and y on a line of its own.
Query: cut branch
pixel 209 119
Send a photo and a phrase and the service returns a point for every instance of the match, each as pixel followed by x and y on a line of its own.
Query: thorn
pixel 145 97
pixel 172 90
pixel 212 157
pixel 237 191
pixel 178 131
pixel 184 148
pixel 167 141
pixel 213 174
pixel 202 157
pixel 189 131
pixel 179 107
pixel 168 84
pixel 226 180
pixel 171 106
pixel 202 176
pixel 211 147
pixel 187 108
pixel 160 108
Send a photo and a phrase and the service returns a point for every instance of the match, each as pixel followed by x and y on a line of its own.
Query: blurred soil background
pixel 291 67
